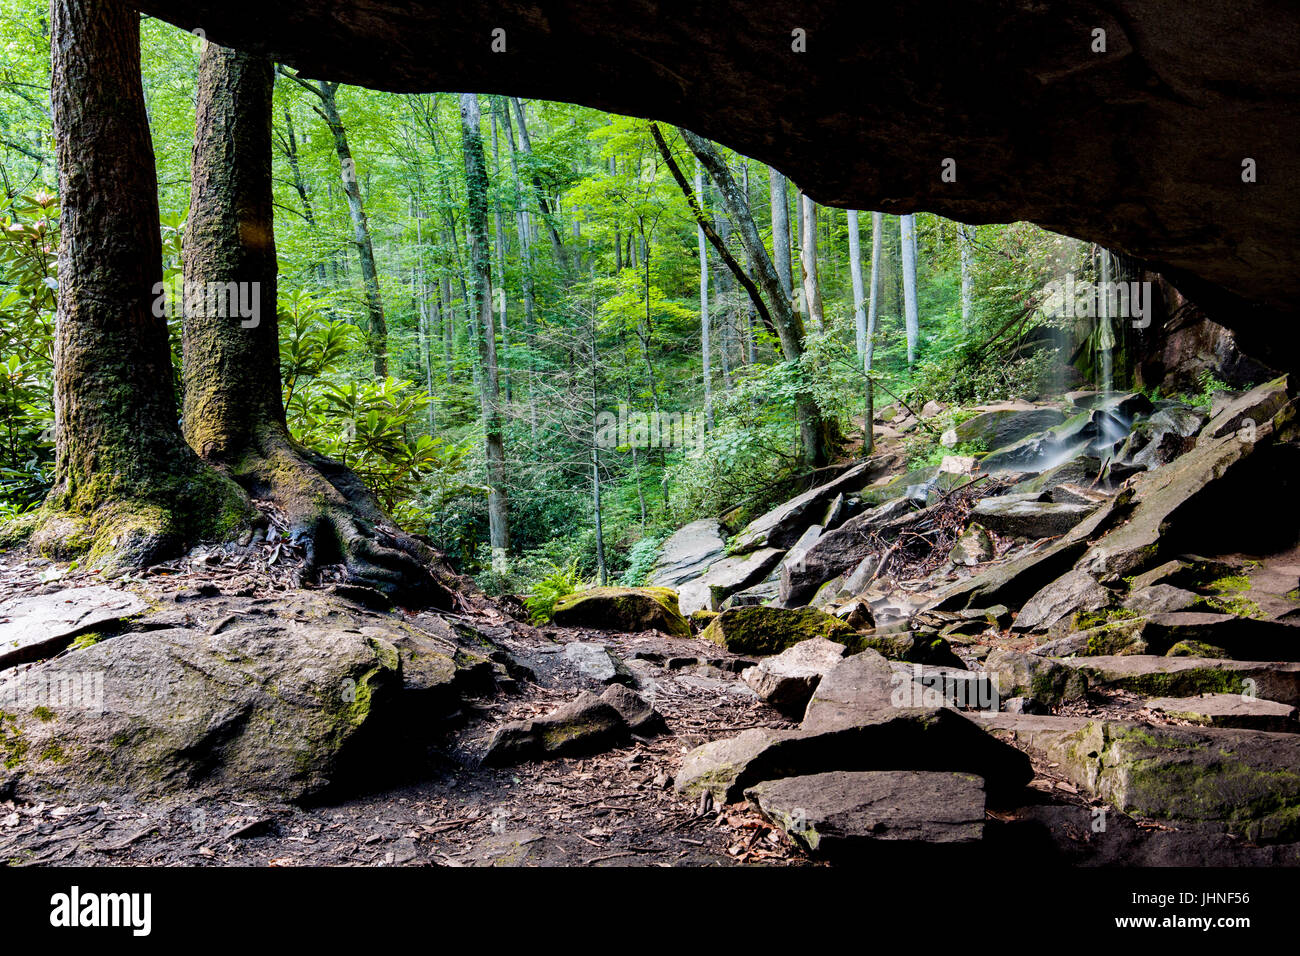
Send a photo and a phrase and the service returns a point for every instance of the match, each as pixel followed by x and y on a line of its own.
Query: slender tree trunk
pixel 812 289
pixel 361 232
pixel 557 244
pixel 476 183
pixel 234 412
pixel 907 227
pixel 602 573
pixel 815 435
pixel 126 484
pixel 705 345
pixel 964 235
pixel 877 250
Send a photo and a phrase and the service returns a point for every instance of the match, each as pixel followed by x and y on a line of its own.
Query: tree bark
pixel 907 229
pixel 815 436
pixel 327 93
pixel 476 183
pixel 812 288
pixel 234 411
pixel 127 488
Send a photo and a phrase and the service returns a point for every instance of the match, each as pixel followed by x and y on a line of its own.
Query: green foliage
pixel 640 559
pixel 560 582
pixel 365 424
pixel 28 291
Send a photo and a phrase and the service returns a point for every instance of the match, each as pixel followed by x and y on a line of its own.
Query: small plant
pixel 562 581
pixel 640 559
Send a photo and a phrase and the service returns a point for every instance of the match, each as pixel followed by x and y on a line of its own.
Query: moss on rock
pixel 770 630
pixel 623 609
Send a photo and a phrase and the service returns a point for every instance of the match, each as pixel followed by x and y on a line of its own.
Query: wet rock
pixel 1161 438
pixel 586 725
pixel 39 626
pixel 781 526
pixel 1073 593
pixel 770 630
pixel 1229 710
pixel 863 573
pixel 1079 470
pixel 787 680
pixel 687 554
pixel 761 593
pixel 622 609
pixel 857 614
pixel 839 814
pixel 724 578
pixel 1001 427
pixel 1023 517
pixel 595 662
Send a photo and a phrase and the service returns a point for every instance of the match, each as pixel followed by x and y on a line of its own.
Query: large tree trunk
pixel 815 436
pixel 476 186
pixel 234 412
pixel 127 487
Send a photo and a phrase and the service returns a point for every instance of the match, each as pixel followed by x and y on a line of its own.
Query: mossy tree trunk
pixel 234 409
pixel 127 487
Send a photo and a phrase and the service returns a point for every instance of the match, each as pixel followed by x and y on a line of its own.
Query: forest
pixel 480 479
pixel 598 273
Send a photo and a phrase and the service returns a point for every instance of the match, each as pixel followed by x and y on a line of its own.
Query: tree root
pixel 334 517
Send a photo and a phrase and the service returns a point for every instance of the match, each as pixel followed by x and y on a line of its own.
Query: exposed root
pixel 333 517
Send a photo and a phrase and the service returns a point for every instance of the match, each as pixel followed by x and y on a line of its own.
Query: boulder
pixel 1080 470
pixel 787 680
pixel 639 715
pixel 724 578
pixel 1189 676
pixel 841 813
pixel 1160 599
pixel 842 550
pixel 34 627
pixel 278 711
pixel 1072 593
pixel 1198 487
pixel 622 609
pixel 595 662
pixel 1161 438
pixel 973 546
pixel 781 526
pixel 585 725
pixel 1229 710
pixel 1041 679
pixel 1000 427
pixel 770 630
pixel 1245 780
pixel 1023 517
pixel 687 554
pixel 1257 406
pixel 938 739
